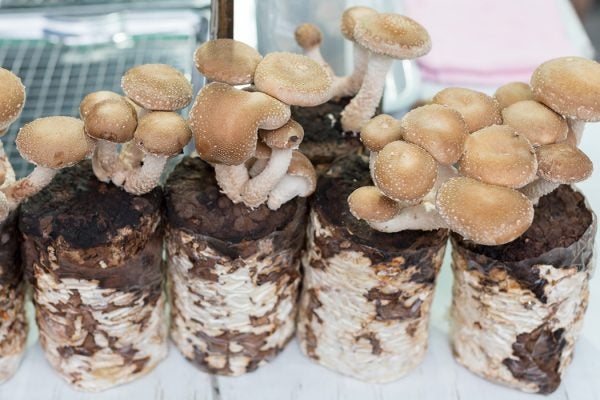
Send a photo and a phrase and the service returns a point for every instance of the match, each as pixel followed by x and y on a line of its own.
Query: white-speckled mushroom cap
pixel 93 98
pixel 486 214
pixel 478 109
pixel 157 87
pixel 351 16
pixel 227 60
pixel 54 142
pixel 538 123
pixel 512 92
pixel 288 136
pixel 370 204
pixel 293 79
pixel 12 99
pixel 112 119
pixel 570 86
pixel 563 163
pixel 162 133
pixel 379 131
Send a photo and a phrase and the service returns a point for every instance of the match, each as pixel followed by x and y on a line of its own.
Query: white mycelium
pixel 13 328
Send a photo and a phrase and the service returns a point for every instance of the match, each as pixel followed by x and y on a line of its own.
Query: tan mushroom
pixel 12 99
pixel 386 37
pixel 227 60
pixel 93 98
pixel 478 109
pixel 369 204
pixel 533 120
pixel 513 92
pixel 486 214
pixel 498 155
pixel 309 38
pixel 300 180
pixel 157 87
pixel 379 131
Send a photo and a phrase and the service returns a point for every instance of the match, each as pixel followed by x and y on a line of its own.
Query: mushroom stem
pixel 350 85
pixel 7 173
pixel 131 155
pixel 105 160
pixel 372 158
pixel 363 105
pixel 231 180
pixel 141 180
pixel 287 188
pixel 576 128
pixel 26 187
pixel 538 189
pixel 424 217
pixel 258 166
pixel 257 189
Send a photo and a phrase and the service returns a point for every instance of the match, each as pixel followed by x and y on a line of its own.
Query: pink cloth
pixel 489 42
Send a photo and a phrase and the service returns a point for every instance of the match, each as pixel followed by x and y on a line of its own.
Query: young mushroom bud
pixel 369 204
pixel 478 109
pixel 12 99
pixel 499 156
pixel 379 131
pixel 309 38
pixel 533 120
pixel 486 214
pixel 300 180
pixel 227 60
pixel 513 92
pixel 386 37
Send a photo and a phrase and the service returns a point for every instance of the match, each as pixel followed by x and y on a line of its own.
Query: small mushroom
pixel 563 164
pixel 93 98
pixel 386 37
pixel 498 155
pixel 12 99
pixel 379 131
pixel 300 180
pixel 486 214
pixel 309 38
pixel 227 60
pixel 369 204
pixel 478 109
pixel 511 93
pixel 533 120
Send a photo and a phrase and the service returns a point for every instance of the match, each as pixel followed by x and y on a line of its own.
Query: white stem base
pixel 288 188
pixel 142 180
pixel 257 189
pixel 105 160
pixel 26 187
pixel 231 180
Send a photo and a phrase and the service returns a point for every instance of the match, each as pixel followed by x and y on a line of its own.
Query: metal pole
pixel 221 19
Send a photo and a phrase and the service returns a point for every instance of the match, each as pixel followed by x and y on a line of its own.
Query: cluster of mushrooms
pixel 478 164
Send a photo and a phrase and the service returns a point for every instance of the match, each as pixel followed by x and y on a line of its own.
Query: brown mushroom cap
pixel 370 204
pixel 308 36
pixel 440 130
pixel 12 98
pixel 93 98
pixel 533 120
pixel 289 136
pixel 114 120
pixel 486 214
pixel 563 163
pixel 350 17
pixel 225 121
pixel 392 35
pixel 162 133
pixel 294 79
pixel 569 86
pixel 499 156
pixel 512 92
pixel 227 60
pixel 379 131
pixel 404 171
pixel 478 109
pixel 157 87
pixel 301 166
pixel 54 142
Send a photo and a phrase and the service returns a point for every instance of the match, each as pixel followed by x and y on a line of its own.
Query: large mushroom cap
pixel 563 163
pixel 289 136
pixel 512 92
pixel 379 131
pixel 404 171
pixel 294 79
pixel 93 98
pixel 486 214
pixel 308 36
pixel 157 87
pixel 370 204
pixel 12 98
pixel 350 17
pixel 301 166
pixel 227 60
pixel 533 120
pixel 114 120
pixel 499 156
pixel 478 109
pixel 570 86
pixel 392 35
pixel 440 130
pixel 54 142
pixel 162 133
pixel 225 122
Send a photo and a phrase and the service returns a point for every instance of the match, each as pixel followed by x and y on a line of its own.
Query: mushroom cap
pixel 227 60
pixel 569 86
pixel 499 156
pixel 162 133
pixel 93 98
pixel 289 136
pixel 512 92
pixel 563 163
pixel 379 131
pixel 440 130
pixel 262 151
pixel 308 36
pixel 350 17
pixel 225 122
pixel 392 35
pixel 54 142
pixel 486 214
pixel 370 204
pixel 533 120
pixel 12 98
pixel 294 79
pixel 114 120
pixel 157 87
pixel 301 166
pixel 404 172
pixel 478 109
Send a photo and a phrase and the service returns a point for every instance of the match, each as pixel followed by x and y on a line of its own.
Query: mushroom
pixel 486 214
pixel 93 98
pixel 309 38
pixel 533 120
pixel 498 155
pixel 300 180
pixel 369 204
pixel 478 109
pixel 377 133
pixel 227 60
pixel 511 93
pixel 160 135
pixel 386 37
pixel 12 101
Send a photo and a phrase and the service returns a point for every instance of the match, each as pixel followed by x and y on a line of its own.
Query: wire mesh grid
pixel 57 77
